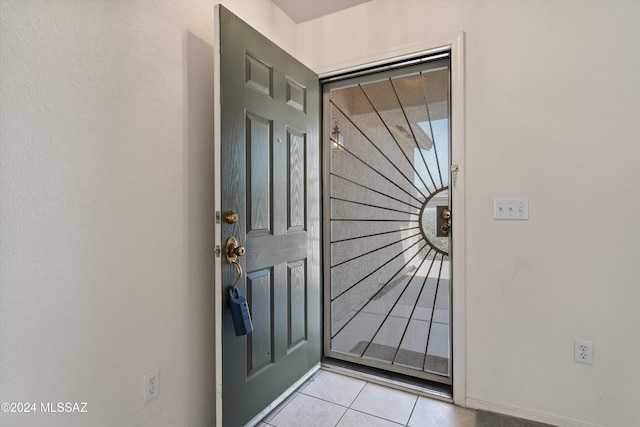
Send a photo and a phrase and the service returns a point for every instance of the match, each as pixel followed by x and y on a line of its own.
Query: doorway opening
pixel 387 219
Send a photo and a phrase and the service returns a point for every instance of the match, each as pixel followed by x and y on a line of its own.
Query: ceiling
pixel 306 10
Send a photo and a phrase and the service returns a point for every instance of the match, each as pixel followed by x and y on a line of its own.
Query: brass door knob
pixel 445 228
pixel 233 250
pixel 238 250
pixel 446 214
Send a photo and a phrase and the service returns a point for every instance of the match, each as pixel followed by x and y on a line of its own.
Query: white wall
pixel 106 206
pixel 106 198
pixel 552 94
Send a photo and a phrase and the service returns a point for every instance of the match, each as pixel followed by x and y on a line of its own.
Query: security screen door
pixel 270 178
pixel 387 218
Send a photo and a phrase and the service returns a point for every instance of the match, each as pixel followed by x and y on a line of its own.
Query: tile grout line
pixel 341 416
pixel 349 407
pixel 357 395
pixel 412 410
pixel 329 401
pixel 346 408
pixel 377 416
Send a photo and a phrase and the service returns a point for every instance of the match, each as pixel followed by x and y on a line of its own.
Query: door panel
pixel 270 176
pixel 387 213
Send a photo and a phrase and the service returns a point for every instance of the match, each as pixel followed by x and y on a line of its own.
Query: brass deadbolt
pixel 232 217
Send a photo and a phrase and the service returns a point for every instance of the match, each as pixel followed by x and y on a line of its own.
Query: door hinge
pixel 217 217
pixel 217 251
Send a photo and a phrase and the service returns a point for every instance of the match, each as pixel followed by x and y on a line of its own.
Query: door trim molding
pixel 407 52
pixel 459 242
pixel 454 44
pixel 217 260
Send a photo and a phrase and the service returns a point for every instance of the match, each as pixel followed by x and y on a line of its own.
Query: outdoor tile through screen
pixel 390 272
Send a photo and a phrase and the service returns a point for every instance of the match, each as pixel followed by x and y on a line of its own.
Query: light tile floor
pixel 333 400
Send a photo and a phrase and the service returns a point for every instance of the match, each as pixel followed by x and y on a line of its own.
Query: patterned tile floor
pixel 329 400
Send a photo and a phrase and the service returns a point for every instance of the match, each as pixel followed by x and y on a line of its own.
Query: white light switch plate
pixel 515 209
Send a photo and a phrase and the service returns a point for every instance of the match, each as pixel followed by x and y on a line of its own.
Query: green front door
pixel 270 177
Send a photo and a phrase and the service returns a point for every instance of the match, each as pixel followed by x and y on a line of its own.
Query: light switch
pixel 516 209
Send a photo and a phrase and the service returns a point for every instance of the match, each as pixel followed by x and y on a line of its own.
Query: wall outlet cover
pixel 583 351
pixel 151 385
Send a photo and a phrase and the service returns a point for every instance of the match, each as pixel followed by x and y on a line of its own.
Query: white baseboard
pixel 527 414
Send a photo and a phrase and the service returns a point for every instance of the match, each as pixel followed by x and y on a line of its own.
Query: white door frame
pixel 217 141
pixel 454 44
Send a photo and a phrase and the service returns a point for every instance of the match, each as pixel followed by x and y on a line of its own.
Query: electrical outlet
pixel 151 385
pixel 583 351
